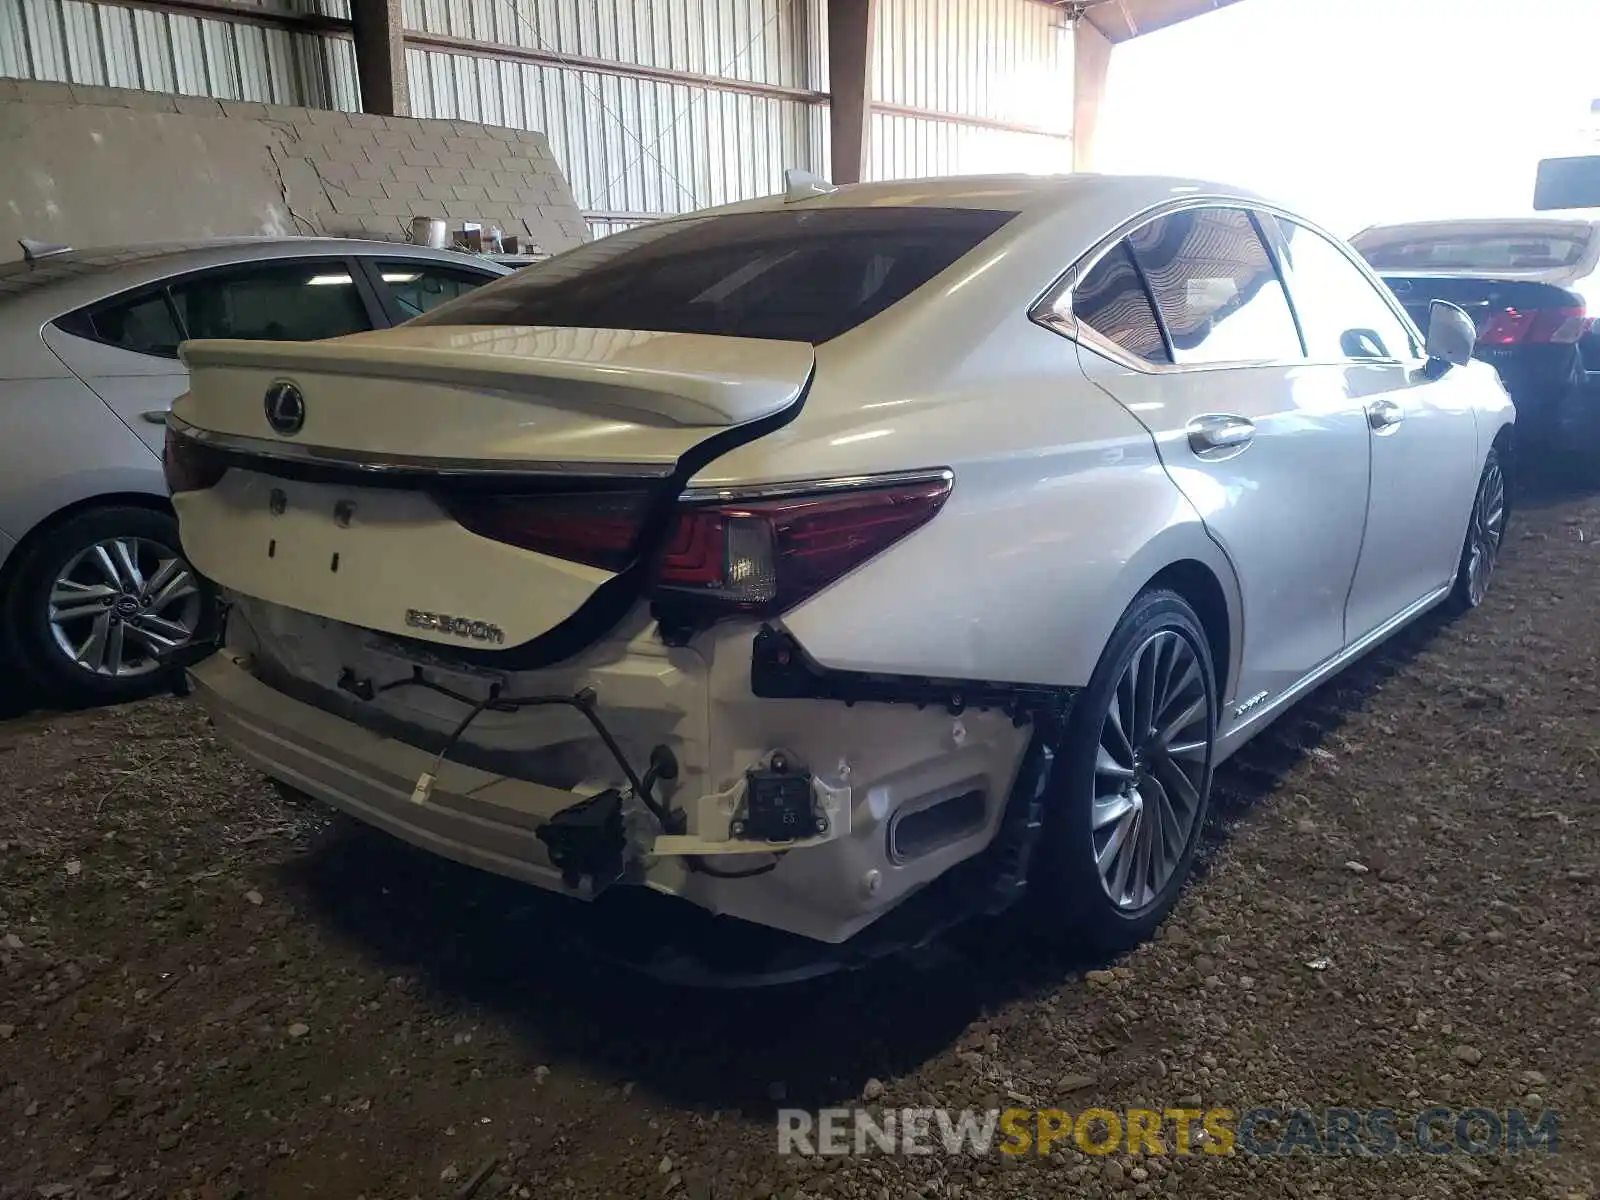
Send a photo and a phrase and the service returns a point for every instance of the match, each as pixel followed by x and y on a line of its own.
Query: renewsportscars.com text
pixel 1178 1131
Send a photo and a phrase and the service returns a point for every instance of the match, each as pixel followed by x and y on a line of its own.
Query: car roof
pixel 1018 193
pixel 72 278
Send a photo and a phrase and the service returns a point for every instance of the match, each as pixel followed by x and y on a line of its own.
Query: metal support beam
pixel 850 32
pixel 381 56
pixel 1091 54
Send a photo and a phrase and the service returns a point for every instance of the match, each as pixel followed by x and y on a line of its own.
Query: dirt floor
pixel 207 993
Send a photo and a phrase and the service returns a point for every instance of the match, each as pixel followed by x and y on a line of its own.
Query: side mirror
pixel 1451 336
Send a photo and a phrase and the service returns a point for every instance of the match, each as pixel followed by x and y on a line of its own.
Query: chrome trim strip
pixel 375 463
pixel 808 487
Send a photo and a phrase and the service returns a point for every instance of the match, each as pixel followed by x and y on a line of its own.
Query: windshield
pixel 1528 249
pixel 793 275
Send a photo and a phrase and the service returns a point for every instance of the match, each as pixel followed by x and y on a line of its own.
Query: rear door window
pixel 1216 288
pixel 275 301
pixel 806 275
pixel 1111 300
pixel 145 324
pixel 418 287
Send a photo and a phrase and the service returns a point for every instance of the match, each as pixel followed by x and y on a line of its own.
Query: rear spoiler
pixel 680 378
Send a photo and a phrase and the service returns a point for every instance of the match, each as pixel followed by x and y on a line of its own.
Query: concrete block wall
pixel 108 166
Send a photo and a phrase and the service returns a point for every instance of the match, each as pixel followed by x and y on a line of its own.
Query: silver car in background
pixel 92 585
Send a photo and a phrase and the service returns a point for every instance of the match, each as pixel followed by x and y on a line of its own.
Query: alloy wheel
pixel 1150 769
pixel 1485 531
pixel 119 603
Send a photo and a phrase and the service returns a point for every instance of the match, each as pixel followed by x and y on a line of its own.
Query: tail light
pixel 756 556
pixel 1528 326
pixel 595 528
pixel 766 556
pixel 189 466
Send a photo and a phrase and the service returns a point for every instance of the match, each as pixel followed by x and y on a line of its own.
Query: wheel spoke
pixel 1120 744
pixel 107 564
pixel 1174 830
pixel 1126 703
pixel 1194 750
pixel 154 643
pixel 172 581
pixel 1153 818
pixel 1106 764
pixel 170 632
pixel 92 654
pixel 127 558
pixel 1143 831
pixel 70 599
pixel 1180 689
pixel 1168 653
pixel 1172 777
pixel 1127 847
pixel 1109 810
pixel 1176 725
pixel 1144 714
pixel 113 656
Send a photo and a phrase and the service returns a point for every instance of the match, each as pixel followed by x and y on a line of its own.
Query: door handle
pixel 156 416
pixel 1384 415
pixel 1220 435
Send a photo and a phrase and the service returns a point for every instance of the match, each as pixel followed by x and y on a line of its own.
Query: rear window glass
pixel 1484 251
pixel 804 276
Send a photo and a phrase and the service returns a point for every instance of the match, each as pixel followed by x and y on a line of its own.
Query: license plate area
pixel 384 559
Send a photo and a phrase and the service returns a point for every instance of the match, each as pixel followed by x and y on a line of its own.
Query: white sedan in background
pixel 92 585
pixel 844 553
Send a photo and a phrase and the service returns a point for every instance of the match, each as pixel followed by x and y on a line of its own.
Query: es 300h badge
pixel 466 627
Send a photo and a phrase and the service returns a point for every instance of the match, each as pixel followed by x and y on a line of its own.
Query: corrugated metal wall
pixel 758 41
pixel 1005 62
pixel 629 146
pixel 74 41
pixel 634 147
pixel 961 85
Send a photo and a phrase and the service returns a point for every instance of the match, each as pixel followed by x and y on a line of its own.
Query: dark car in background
pixel 1532 286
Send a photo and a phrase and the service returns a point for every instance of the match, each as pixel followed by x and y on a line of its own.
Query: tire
pixel 44 627
pixel 1486 531
pixel 1073 903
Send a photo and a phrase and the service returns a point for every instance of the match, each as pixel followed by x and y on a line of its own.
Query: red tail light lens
pixel 767 556
pixel 595 528
pixel 756 556
pixel 1527 326
pixel 189 466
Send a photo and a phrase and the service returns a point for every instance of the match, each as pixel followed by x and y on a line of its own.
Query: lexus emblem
pixel 285 407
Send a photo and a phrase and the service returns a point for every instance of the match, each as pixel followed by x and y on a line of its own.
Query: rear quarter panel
pixel 62 445
pixel 1059 515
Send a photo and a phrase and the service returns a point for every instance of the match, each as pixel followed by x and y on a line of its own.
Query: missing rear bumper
pixel 780 669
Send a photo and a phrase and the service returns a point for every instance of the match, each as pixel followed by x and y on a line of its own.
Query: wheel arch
pixel 36 533
pixel 1200 588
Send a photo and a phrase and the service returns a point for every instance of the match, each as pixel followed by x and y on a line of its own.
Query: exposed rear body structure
pixel 789 557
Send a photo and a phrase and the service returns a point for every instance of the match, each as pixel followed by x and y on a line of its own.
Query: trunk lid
pixel 510 394
pixel 351 510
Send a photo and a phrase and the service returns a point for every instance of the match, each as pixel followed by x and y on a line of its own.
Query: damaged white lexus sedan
pixel 856 552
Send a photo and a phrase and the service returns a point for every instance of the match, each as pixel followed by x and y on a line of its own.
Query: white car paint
pixel 1074 487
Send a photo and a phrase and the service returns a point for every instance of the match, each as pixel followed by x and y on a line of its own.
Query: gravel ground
pixel 210 993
